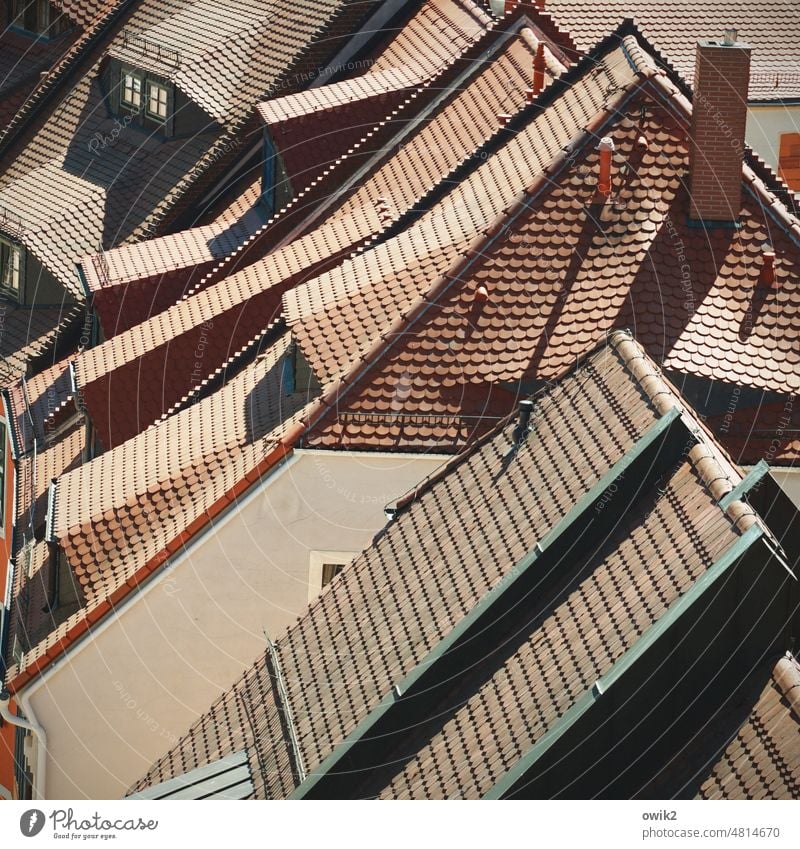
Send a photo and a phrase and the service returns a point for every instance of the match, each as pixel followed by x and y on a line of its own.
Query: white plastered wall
pixel 123 697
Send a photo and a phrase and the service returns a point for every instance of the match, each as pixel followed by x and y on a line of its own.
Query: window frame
pixel 38 18
pixel 160 87
pixel 140 114
pixel 14 251
pixel 4 454
pixel 788 170
pixel 127 73
pixel 317 562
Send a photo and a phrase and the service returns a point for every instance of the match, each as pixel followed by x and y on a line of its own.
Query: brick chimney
pixel 719 115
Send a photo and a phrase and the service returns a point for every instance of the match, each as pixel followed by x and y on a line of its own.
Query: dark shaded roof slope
pixel 762 761
pixel 771 27
pixel 436 682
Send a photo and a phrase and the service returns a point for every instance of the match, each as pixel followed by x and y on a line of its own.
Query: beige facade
pixel 789 480
pixel 765 126
pixel 122 697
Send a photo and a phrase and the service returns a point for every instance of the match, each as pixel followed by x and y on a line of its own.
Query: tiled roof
pixel 24 59
pixel 112 187
pixel 336 95
pixel 552 272
pixel 352 660
pixel 114 514
pixel 161 351
pixel 182 346
pixel 771 27
pixel 133 282
pixel 28 335
pixel 83 12
pixel 437 32
pixel 36 403
pixel 164 268
pixel 415 148
pixel 762 761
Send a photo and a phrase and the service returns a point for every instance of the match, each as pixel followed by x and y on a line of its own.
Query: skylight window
pixel 157 98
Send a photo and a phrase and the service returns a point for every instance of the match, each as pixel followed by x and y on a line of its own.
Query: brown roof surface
pixel 110 375
pixel 114 514
pixel 182 346
pixel 88 194
pixel 133 282
pixel 415 148
pixel 469 527
pixel 31 334
pixel 762 761
pixel 164 268
pixel 771 27
pixel 25 58
pixel 347 306
pixel 559 269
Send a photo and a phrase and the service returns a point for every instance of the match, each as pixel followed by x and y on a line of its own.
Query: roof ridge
pixel 360 363
pixel 719 476
pixel 787 677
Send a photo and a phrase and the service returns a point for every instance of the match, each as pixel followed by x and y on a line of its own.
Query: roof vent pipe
pixel 523 427
pixel 766 276
pixel 538 69
pixel 606 148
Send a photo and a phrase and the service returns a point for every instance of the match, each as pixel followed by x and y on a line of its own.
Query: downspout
pixel 41 741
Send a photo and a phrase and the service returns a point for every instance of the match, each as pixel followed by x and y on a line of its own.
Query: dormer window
pixel 157 100
pixel 10 264
pixel 131 94
pixel 38 17
pixel 143 98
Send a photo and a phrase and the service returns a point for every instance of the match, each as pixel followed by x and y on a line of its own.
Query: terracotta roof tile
pixel 771 27
pixel 470 525
pixel 347 306
pixel 557 262
pixel 114 514
pixel 112 192
pixel 180 347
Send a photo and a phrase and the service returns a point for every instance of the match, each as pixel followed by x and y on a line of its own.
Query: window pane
pixel 9 265
pixel 330 571
pixel 131 90
pixel 157 100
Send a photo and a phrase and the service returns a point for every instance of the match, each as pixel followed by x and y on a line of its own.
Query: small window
pixel 39 17
pixel 324 566
pixel 157 95
pixel 330 571
pixel 10 266
pixel 131 90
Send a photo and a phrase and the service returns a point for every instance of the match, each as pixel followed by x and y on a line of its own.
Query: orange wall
pixel 7 731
